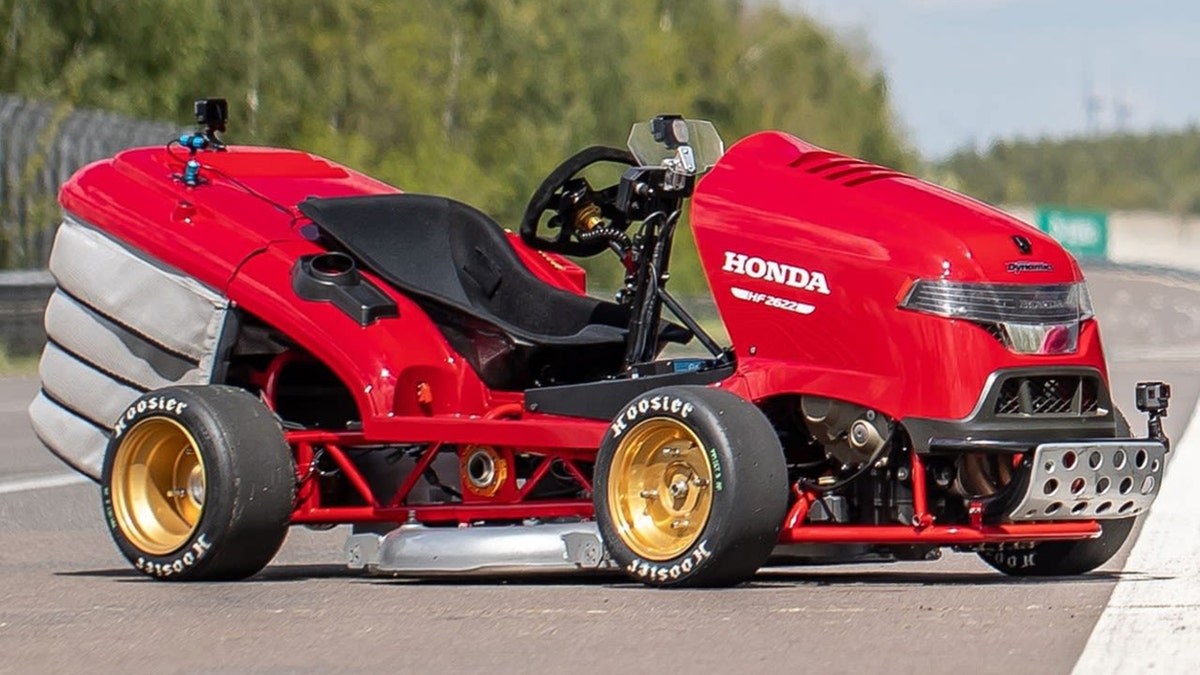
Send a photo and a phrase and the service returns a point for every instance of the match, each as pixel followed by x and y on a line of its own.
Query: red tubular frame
pixel 443 513
pixel 939 535
pixel 923 530
pixel 504 424
pixel 517 505
pixel 310 511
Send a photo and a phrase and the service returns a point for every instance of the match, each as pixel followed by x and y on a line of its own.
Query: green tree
pixel 475 99
pixel 1151 171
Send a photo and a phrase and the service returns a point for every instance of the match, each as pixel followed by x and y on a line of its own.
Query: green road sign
pixel 1083 233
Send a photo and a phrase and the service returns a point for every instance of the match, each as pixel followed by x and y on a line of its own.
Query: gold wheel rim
pixel 158 485
pixel 660 489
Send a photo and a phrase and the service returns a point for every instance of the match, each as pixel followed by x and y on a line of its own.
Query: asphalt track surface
pixel 70 603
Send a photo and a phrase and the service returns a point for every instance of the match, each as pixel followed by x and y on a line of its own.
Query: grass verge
pixel 17 366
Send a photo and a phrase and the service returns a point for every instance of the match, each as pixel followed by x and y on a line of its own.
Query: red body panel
pixel 239 232
pixel 869 232
pixel 209 230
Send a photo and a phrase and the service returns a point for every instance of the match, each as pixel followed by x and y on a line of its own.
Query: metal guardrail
pixel 41 145
pixel 23 297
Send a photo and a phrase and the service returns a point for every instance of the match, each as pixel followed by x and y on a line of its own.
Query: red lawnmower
pixel 244 339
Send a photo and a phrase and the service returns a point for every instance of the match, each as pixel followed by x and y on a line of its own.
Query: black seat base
pixel 516 330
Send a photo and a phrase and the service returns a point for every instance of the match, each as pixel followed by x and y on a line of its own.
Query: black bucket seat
pixel 516 330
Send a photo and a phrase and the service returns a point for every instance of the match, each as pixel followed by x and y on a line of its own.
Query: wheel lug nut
pixel 649 494
pixel 700 482
pixel 679 524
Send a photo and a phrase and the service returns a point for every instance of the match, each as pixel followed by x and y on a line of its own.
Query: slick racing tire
pixel 1067 558
pixel 1063 558
pixel 198 484
pixel 690 488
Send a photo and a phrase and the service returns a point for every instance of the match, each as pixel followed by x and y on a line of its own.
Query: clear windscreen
pixel 700 135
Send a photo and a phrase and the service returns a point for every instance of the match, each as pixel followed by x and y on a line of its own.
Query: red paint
pixel 921 516
pixel 270 383
pixel 799 510
pixel 870 232
pixel 392 508
pixel 939 535
pixel 445 513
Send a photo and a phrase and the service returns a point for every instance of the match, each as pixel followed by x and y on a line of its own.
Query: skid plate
pixel 517 550
pixel 1093 479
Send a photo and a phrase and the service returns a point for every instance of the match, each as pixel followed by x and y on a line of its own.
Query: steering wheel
pixel 552 195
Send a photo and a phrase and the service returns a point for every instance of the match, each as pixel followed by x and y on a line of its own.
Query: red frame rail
pixel 924 530
pixel 393 508
pixel 517 504
pixel 310 511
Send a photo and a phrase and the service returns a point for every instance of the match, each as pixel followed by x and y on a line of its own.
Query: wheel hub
pixel 195 488
pixel 679 489
pixel 158 485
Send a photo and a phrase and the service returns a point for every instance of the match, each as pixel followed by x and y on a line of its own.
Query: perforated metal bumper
pixel 1096 479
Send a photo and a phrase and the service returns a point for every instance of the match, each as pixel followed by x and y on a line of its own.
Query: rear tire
pixel 1067 558
pixel 690 488
pixel 198 484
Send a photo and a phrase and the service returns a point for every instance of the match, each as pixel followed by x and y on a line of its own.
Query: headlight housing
pixel 1027 318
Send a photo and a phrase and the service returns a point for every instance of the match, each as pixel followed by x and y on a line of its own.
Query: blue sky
pixel 966 72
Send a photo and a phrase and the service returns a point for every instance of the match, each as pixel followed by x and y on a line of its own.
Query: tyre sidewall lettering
pixel 668 571
pixel 148 406
pixel 110 514
pixel 250 481
pixel 1062 558
pixel 714 461
pixel 654 406
pixel 739 446
pixel 1016 560
pixel 668 406
pixel 176 563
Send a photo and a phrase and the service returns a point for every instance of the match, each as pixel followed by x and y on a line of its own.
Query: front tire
pixel 1063 558
pixel 1067 558
pixel 691 488
pixel 198 484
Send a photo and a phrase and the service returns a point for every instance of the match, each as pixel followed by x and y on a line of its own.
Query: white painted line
pixel 1152 622
pixel 42 482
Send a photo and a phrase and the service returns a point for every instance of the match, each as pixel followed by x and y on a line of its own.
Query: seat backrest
pixel 455 255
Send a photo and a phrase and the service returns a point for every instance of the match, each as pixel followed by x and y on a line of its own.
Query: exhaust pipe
pixel 519 550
